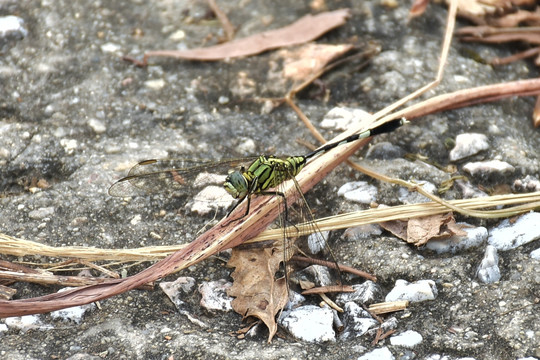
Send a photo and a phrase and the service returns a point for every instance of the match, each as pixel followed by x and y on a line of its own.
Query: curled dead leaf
pixel 420 230
pixel 256 291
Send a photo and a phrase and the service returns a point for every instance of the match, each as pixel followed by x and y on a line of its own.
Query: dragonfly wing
pixel 173 175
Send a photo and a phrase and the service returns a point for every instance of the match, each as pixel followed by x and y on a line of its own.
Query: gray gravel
pixel 74 117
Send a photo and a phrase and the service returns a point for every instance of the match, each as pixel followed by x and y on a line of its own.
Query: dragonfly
pixel 261 174
pixel 254 176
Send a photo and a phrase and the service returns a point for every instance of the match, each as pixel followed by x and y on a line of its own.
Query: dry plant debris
pixel 419 231
pixel 303 30
pixel 303 62
pixel 256 290
pixel 499 21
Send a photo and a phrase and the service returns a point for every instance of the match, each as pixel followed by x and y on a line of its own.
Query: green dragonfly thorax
pixel 264 173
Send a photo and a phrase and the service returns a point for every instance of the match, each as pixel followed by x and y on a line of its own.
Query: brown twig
pixel 333 265
pixel 223 19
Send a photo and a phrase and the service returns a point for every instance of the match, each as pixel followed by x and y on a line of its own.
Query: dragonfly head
pixel 236 184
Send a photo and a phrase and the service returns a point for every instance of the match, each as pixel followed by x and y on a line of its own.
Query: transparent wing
pixel 174 175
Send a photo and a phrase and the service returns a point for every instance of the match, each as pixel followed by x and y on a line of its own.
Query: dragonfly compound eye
pixel 236 185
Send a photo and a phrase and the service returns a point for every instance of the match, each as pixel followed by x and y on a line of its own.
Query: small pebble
pixel 357 321
pixel 178 35
pixel 417 291
pixel 384 151
pixel 209 199
pixel 341 118
pixel 412 197
pixel 476 236
pixel 358 191
pixel 378 354
pixel 528 184
pixel 97 125
pixel 468 145
pixel 214 295
pixel 510 235
pixel 222 100
pixel 362 232
pixel 488 167
pixel 310 323
pixel 316 242
pixel 25 323
pixel 136 219
pixel 73 314
pixel 488 271
pixel 12 26
pixel 69 145
pixel 468 191
pixel 409 339
pixel 41 213
pixel 366 293
pixel 316 274
pixel 178 289
pixel 156 84
pixel 247 146
pixel 110 48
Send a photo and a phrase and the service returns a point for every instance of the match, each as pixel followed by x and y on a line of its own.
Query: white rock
pixel 41 213
pixel 365 293
pixel 214 295
pixel 357 321
pixel 69 145
pixel 247 146
pixel 209 199
pixel 437 357
pixel 156 84
pixel 97 125
pixel 110 48
pixel 420 290
pixel 467 145
pixel 136 219
pixel 469 191
pixel 25 323
pixel 178 35
pixel 12 25
pixel 310 323
pixel 358 191
pixel 528 184
pixel 412 197
pixel 74 314
pixel 488 271
pixel 409 339
pixel 488 167
pixel 341 118
pixel 476 236
pixel 316 242
pixel 362 232
pixel 378 354
pixel 511 235
pixel 178 289
pixel 535 254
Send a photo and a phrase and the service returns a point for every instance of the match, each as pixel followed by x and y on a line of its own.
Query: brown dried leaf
pixel 514 19
pixel 420 230
pixel 536 113
pixel 303 30
pixel 418 8
pixel 257 293
pixel 480 8
pixel 307 60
